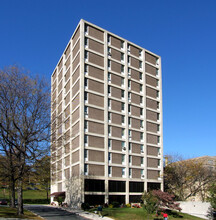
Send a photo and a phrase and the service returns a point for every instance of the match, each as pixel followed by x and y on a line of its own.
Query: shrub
pixel 128 205
pixel 115 204
pixel 36 201
pixel 85 206
pixel 110 206
pixel 150 202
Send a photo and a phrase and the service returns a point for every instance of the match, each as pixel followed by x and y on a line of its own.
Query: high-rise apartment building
pixel 107 140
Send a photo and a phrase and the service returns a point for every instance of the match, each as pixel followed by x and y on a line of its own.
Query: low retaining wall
pixel 199 209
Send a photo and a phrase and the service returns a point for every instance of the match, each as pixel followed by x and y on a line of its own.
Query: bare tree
pixel 24 119
pixel 74 190
pixel 187 178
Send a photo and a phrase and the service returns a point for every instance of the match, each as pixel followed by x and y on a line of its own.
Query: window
pixel 122 94
pixel 130 173
pixel 129 109
pixel 86 29
pixel 110 171
pixel 141 124
pixel 140 64
pixel 109 157
pixel 86 42
pixel 158 94
pixel 129 72
pixel 158 128
pixel 159 152
pixel 123 158
pixel 158 116
pixel 129 60
pixel 123 132
pixel 141 112
pixel 158 105
pixel 86 111
pixel 157 61
pixel 157 83
pixel 86 155
pixel 122 82
pixel 109 89
pixel 122 68
pixel 140 76
pixel 109 77
pixel 140 53
pixel 109 64
pixel 86 140
pixel 109 130
pixel 141 88
pixel 158 139
pixel 109 103
pixel 141 136
pixel 129 133
pixel 157 72
pixel 123 144
pixel 158 163
pixel 86 126
pixel 109 39
pixel 123 172
pixel 123 119
pixel 122 57
pixel 86 97
pixel 142 174
pixel 109 116
pixel 130 160
pixel 129 96
pixel 142 148
pixel 86 55
pixel 86 83
pixel 129 84
pixel 141 100
pixel 109 51
pixel 122 106
pixel 109 144
pixel 122 45
pixel 128 48
pixel 86 69
pixel 86 169
pixel 129 122
pixel 130 147
pixel 142 161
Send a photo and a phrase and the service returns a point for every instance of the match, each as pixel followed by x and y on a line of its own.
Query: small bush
pixel 110 206
pixel 36 201
pixel 128 205
pixel 115 204
pixel 85 206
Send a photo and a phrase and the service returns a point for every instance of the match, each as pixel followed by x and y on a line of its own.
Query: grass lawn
pixel 6 212
pixel 27 194
pixel 140 214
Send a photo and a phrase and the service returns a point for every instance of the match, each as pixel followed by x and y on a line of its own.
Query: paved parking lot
pixel 51 213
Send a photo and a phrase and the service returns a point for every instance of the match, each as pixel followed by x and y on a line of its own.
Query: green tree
pixel 150 202
pixel 24 121
pixel 212 196
pixel 41 170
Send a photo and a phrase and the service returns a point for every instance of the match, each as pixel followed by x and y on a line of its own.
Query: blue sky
pixel 34 34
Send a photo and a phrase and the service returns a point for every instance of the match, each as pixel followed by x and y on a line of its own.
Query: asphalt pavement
pixel 52 213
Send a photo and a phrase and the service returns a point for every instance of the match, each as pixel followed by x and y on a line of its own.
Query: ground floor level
pixel 99 191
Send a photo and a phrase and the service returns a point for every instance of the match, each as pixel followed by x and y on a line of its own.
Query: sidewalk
pixel 85 214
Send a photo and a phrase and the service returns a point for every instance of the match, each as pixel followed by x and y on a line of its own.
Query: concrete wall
pixel 198 209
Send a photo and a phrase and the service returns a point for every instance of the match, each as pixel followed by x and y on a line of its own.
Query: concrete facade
pixel 106 118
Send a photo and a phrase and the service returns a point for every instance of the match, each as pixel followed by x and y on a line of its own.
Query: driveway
pixel 51 213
